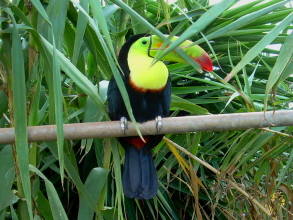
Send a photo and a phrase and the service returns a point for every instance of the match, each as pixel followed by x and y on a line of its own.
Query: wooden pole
pixel 220 122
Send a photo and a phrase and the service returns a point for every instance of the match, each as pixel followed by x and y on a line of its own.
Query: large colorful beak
pixel 193 51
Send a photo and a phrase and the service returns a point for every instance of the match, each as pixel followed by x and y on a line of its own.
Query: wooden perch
pixel 220 122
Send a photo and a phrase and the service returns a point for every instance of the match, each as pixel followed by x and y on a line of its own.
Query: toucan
pixel 148 85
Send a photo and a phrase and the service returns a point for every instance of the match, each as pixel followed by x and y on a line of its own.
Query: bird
pixel 148 85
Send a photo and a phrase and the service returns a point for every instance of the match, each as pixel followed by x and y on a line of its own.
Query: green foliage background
pixel 55 60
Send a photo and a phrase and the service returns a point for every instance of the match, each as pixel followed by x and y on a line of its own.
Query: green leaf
pixel 95 183
pixel 80 31
pixel 3 102
pixel 188 106
pixel 20 116
pixel 41 10
pixel 7 175
pixel 44 207
pixel 54 200
pixel 97 10
pixel 118 176
pixel 284 61
pixel 195 89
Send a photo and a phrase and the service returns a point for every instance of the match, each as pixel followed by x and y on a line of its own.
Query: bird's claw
pixel 158 123
pixel 123 124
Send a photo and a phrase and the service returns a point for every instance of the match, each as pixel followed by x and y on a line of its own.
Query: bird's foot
pixel 123 124
pixel 158 122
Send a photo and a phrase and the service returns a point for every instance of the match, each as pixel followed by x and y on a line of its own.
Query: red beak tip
pixel 205 63
pixel 208 67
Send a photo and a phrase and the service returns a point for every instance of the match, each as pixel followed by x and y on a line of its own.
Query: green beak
pixel 193 51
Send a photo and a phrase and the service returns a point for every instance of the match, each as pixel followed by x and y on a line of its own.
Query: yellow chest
pixel 147 76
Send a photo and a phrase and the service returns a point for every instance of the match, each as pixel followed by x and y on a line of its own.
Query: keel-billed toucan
pixel 149 88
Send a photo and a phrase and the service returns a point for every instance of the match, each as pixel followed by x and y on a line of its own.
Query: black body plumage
pixel 139 175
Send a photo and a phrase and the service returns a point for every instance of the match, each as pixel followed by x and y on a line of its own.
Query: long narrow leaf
pixel 54 200
pixel 7 175
pixel 283 60
pixel 80 31
pixel 20 116
pixel 58 22
pixel 97 175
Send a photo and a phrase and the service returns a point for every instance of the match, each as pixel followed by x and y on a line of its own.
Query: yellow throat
pixel 143 74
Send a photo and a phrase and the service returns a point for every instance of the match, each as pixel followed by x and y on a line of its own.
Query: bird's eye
pixel 144 42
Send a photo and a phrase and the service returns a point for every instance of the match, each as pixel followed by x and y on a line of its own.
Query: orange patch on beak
pixel 159 45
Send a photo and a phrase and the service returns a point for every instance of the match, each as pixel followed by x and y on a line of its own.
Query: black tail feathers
pixel 139 176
